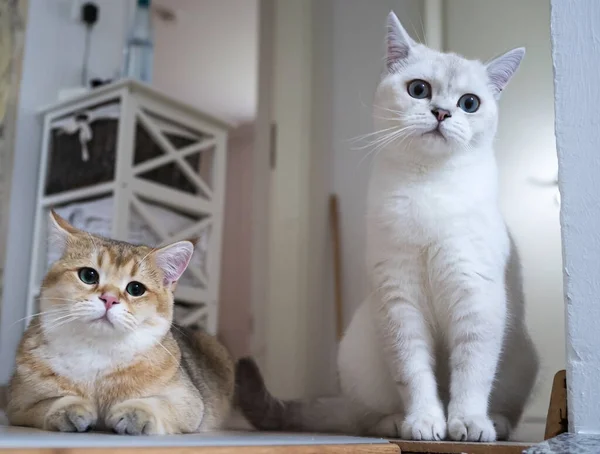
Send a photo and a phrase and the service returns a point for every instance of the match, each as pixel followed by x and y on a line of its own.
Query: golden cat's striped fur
pixel 104 354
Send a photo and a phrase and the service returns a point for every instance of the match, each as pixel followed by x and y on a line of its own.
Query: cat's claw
pixel 471 428
pixel 76 417
pixel 133 420
pixel 424 426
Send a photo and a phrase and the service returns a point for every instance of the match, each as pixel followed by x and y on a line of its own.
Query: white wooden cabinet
pixel 159 167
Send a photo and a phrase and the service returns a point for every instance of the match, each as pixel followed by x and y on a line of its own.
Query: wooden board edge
pixel 378 448
pixel 451 447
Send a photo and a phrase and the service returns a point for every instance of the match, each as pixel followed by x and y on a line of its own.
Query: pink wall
pixel 235 316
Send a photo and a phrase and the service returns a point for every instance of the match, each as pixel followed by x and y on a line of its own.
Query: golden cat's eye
pixel 88 275
pixel 135 288
pixel 419 89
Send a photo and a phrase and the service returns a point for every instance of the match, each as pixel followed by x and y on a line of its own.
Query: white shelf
pixel 133 106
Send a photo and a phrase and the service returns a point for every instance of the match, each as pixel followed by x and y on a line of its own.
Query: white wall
pixel 526 149
pixel 52 61
pixel 576 54
pixel 208 56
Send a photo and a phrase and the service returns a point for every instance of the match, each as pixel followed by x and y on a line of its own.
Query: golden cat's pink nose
pixel 109 300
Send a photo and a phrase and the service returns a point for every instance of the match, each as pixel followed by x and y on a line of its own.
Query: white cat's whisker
pixel 372 152
pixel 376 150
pixel 384 143
pixel 370 134
pixel 377 140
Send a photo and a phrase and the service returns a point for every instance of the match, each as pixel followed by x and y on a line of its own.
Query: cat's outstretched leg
pixel 409 347
pixel 172 413
pixel 61 414
pixel 387 427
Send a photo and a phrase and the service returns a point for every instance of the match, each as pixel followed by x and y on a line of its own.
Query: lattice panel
pixel 185 164
pixel 152 172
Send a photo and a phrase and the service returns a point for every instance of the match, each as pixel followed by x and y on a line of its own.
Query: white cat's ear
pixel 399 43
pixel 174 259
pixel 60 232
pixel 501 69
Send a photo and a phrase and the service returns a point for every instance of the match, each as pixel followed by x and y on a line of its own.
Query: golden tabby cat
pixel 104 354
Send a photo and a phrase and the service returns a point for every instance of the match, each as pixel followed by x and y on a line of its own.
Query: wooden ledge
pixel 298 449
pixel 452 447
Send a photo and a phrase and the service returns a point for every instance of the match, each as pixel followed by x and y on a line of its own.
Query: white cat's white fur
pixel 440 346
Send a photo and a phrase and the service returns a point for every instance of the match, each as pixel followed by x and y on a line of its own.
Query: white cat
pixel 440 347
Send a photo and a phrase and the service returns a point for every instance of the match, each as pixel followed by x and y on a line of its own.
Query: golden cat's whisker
pixel 171 354
pixel 61 321
pixel 39 313
pixel 183 333
pixel 58 299
pixel 146 256
pixel 73 311
pixel 70 313
pixel 164 348
pixel 93 242
pixel 129 325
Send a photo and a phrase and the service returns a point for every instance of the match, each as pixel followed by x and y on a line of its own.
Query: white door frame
pixel 261 183
pixel 286 312
pixel 576 57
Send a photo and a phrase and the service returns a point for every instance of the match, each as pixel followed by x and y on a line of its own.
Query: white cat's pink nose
pixel 109 300
pixel 440 114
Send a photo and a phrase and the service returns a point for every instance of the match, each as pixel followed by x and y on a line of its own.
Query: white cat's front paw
pixel 429 426
pixel 471 428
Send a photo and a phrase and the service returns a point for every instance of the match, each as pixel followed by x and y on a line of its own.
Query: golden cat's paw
pixel 134 418
pixel 71 414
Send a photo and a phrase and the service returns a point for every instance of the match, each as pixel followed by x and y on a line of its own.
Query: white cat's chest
pixel 420 216
pixel 423 209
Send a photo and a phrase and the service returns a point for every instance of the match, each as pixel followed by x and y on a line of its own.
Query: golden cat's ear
pixel 60 232
pixel 174 259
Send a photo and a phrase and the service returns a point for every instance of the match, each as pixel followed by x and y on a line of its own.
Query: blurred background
pixel 242 139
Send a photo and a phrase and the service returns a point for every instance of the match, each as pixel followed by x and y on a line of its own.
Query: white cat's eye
pixel 88 275
pixel 469 103
pixel 419 89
